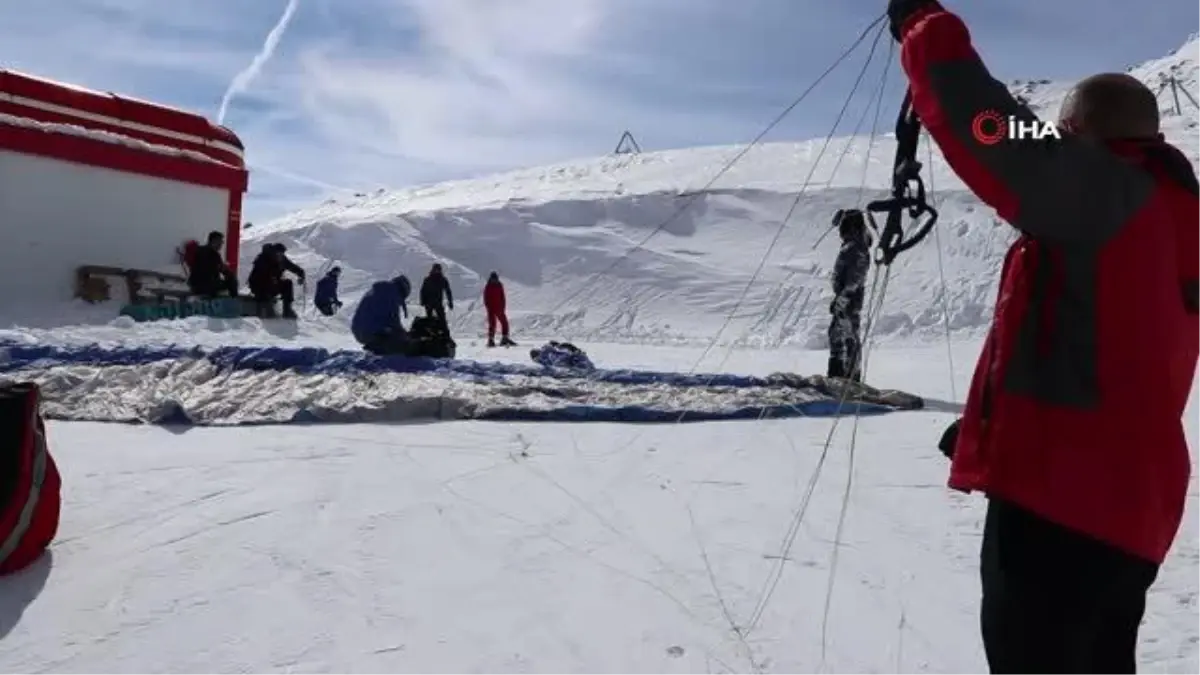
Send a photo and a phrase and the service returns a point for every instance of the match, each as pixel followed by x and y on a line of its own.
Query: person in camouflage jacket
pixel 849 282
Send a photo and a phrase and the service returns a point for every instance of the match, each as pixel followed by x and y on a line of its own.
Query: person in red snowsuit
pixel 1072 426
pixel 496 305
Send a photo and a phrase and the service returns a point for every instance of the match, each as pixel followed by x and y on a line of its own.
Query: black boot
pixel 288 312
pixel 491 342
pixel 507 342
pixel 836 368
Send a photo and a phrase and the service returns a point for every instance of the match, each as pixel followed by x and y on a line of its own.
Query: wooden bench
pixel 155 295
pixel 93 283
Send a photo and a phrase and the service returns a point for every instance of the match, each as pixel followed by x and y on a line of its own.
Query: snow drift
pixel 574 242
pixel 258 386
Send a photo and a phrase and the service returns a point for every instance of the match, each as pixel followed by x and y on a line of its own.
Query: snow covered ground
pixel 485 546
pixel 469 547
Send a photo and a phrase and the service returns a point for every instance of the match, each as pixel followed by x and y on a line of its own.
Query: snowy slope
pixel 560 234
pixel 566 239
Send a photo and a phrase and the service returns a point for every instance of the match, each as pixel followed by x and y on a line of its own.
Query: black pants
pixel 388 344
pixel 215 287
pixel 1055 600
pixel 265 297
pixel 845 347
pixel 436 312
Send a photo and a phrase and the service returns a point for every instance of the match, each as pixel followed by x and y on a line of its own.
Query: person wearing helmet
pixel 326 297
pixel 849 281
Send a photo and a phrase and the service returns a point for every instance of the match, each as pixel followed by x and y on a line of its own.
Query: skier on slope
pixel 376 323
pixel 849 282
pixel 495 304
pixel 434 289
pixel 325 299
pixel 1072 426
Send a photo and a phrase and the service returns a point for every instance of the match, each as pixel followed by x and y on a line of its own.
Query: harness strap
pixel 908 191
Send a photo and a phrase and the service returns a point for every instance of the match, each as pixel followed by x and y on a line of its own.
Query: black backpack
pixel 429 338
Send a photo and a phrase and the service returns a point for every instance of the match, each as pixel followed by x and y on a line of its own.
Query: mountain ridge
pixel 631 248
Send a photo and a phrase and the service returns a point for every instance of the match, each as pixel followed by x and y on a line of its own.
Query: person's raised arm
pixel 1071 189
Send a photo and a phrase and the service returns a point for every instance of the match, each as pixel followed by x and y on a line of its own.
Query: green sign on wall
pixel 221 308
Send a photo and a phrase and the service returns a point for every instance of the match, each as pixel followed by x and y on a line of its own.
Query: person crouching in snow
pixel 376 323
pixel 326 297
pixel 495 303
pixel 849 279
pixel 267 282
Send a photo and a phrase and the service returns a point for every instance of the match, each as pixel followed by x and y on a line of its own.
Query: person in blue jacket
pixel 376 323
pixel 326 297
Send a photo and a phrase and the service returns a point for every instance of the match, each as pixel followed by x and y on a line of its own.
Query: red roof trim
pixel 42 115
pixel 115 107
pixel 104 154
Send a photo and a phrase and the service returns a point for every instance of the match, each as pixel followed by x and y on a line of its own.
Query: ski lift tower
pixel 627 145
pixel 1168 81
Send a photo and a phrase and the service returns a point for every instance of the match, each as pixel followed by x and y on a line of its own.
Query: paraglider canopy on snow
pixel 561 355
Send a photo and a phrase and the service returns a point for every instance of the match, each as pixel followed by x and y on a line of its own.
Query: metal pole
pixel 1175 94
pixel 631 149
pixel 1179 87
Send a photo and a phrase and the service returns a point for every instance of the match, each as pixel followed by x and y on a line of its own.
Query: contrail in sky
pixel 243 79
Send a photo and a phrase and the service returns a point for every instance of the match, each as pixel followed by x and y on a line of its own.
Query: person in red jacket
pixel 495 302
pixel 1072 426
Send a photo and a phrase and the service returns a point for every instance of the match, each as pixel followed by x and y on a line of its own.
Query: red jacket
pixel 493 297
pixel 1075 408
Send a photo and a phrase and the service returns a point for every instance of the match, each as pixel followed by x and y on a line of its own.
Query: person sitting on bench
pixel 208 275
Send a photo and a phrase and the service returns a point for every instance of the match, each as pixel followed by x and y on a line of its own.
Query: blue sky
pixel 361 94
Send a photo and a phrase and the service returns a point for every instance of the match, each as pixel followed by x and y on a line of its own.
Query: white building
pixel 89 178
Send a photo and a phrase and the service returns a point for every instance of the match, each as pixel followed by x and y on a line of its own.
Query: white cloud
pixel 486 84
pixel 368 93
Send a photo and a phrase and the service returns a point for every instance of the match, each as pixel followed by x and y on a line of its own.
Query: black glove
pixel 899 11
pixel 949 439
